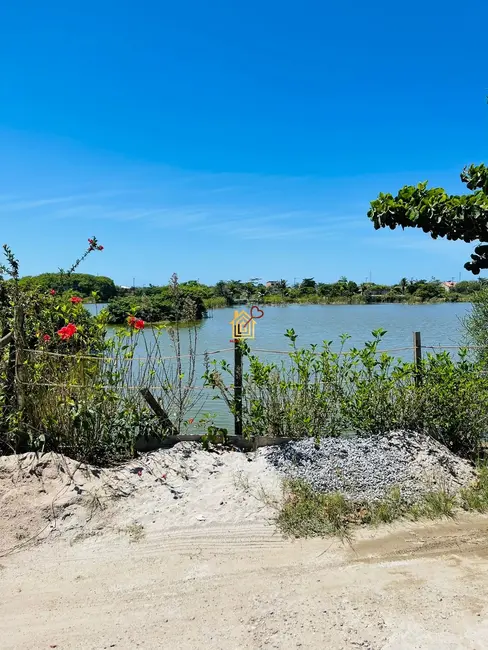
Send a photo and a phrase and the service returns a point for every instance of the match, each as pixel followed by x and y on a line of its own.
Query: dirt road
pixel 243 587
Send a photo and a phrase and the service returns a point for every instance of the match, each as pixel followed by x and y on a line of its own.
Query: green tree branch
pixel 456 217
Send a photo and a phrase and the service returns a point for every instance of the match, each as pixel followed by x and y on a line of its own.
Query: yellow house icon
pixel 242 325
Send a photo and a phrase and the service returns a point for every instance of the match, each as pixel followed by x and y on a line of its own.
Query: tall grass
pixel 304 512
pixel 216 302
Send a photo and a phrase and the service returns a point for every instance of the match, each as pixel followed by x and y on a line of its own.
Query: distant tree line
pixel 190 300
pixel 308 290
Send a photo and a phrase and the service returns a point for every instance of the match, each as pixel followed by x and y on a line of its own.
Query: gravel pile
pixel 368 468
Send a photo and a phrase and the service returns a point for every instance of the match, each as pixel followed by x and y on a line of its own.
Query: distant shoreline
pixel 284 303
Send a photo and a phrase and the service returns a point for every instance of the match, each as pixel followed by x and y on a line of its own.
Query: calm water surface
pixel 439 325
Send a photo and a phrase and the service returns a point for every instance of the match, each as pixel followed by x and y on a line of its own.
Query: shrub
pixel 454 400
pixel 65 387
pixel 82 283
pixel 154 308
pixel 476 323
pixel 151 309
pixel 317 392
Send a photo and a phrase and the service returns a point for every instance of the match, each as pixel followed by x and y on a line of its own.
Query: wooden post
pixel 19 342
pixel 237 388
pixel 417 357
pixel 159 411
pixel 9 388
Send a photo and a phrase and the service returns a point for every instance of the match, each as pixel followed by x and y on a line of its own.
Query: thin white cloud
pixel 241 205
pixel 20 204
pixel 16 206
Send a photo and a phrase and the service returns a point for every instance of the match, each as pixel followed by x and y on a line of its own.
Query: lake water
pixel 439 324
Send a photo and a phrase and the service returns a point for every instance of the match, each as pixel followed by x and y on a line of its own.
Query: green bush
pixel 151 309
pixel 476 323
pixel 317 392
pixel 58 389
pixel 157 308
pixel 454 400
pixel 81 283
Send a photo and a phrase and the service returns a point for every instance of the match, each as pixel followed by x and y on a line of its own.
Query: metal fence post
pixel 417 357
pixel 237 388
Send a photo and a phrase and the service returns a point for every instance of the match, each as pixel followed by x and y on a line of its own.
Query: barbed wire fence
pixel 168 395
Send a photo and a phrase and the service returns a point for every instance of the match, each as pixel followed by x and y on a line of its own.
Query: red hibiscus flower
pixel 75 300
pixel 67 331
pixel 52 292
pixel 191 420
pixel 46 338
pixel 100 248
pixel 136 323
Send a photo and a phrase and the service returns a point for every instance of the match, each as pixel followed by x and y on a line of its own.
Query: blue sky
pixel 234 140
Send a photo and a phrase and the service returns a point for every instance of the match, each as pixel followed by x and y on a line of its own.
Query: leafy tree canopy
pixel 81 283
pixel 463 217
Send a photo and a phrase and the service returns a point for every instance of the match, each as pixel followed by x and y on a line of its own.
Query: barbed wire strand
pixel 319 353
pixel 108 387
pixel 455 347
pixel 106 358
pixel 253 350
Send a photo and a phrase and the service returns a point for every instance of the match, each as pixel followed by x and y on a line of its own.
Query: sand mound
pixel 188 487
pixel 185 486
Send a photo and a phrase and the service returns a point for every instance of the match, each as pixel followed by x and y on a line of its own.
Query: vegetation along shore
pixel 155 303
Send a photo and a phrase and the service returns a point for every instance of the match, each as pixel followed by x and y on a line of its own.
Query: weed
pixel 304 512
pixel 389 509
pixel 136 532
pixel 475 497
pixel 214 436
pixel 93 503
pixel 435 505
pixel 242 481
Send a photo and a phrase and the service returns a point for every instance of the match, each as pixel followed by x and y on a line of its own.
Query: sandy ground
pixel 207 569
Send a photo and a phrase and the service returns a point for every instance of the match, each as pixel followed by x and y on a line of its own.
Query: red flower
pixel 139 473
pixel 67 331
pixel 75 300
pixel 191 420
pixel 90 241
pixel 52 292
pixel 46 338
pixel 164 476
pixel 136 323
pixel 100 248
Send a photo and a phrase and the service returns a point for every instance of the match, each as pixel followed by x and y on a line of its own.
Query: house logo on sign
pixel 243 324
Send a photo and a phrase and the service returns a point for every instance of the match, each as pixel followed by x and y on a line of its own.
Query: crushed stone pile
pixel 366 469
